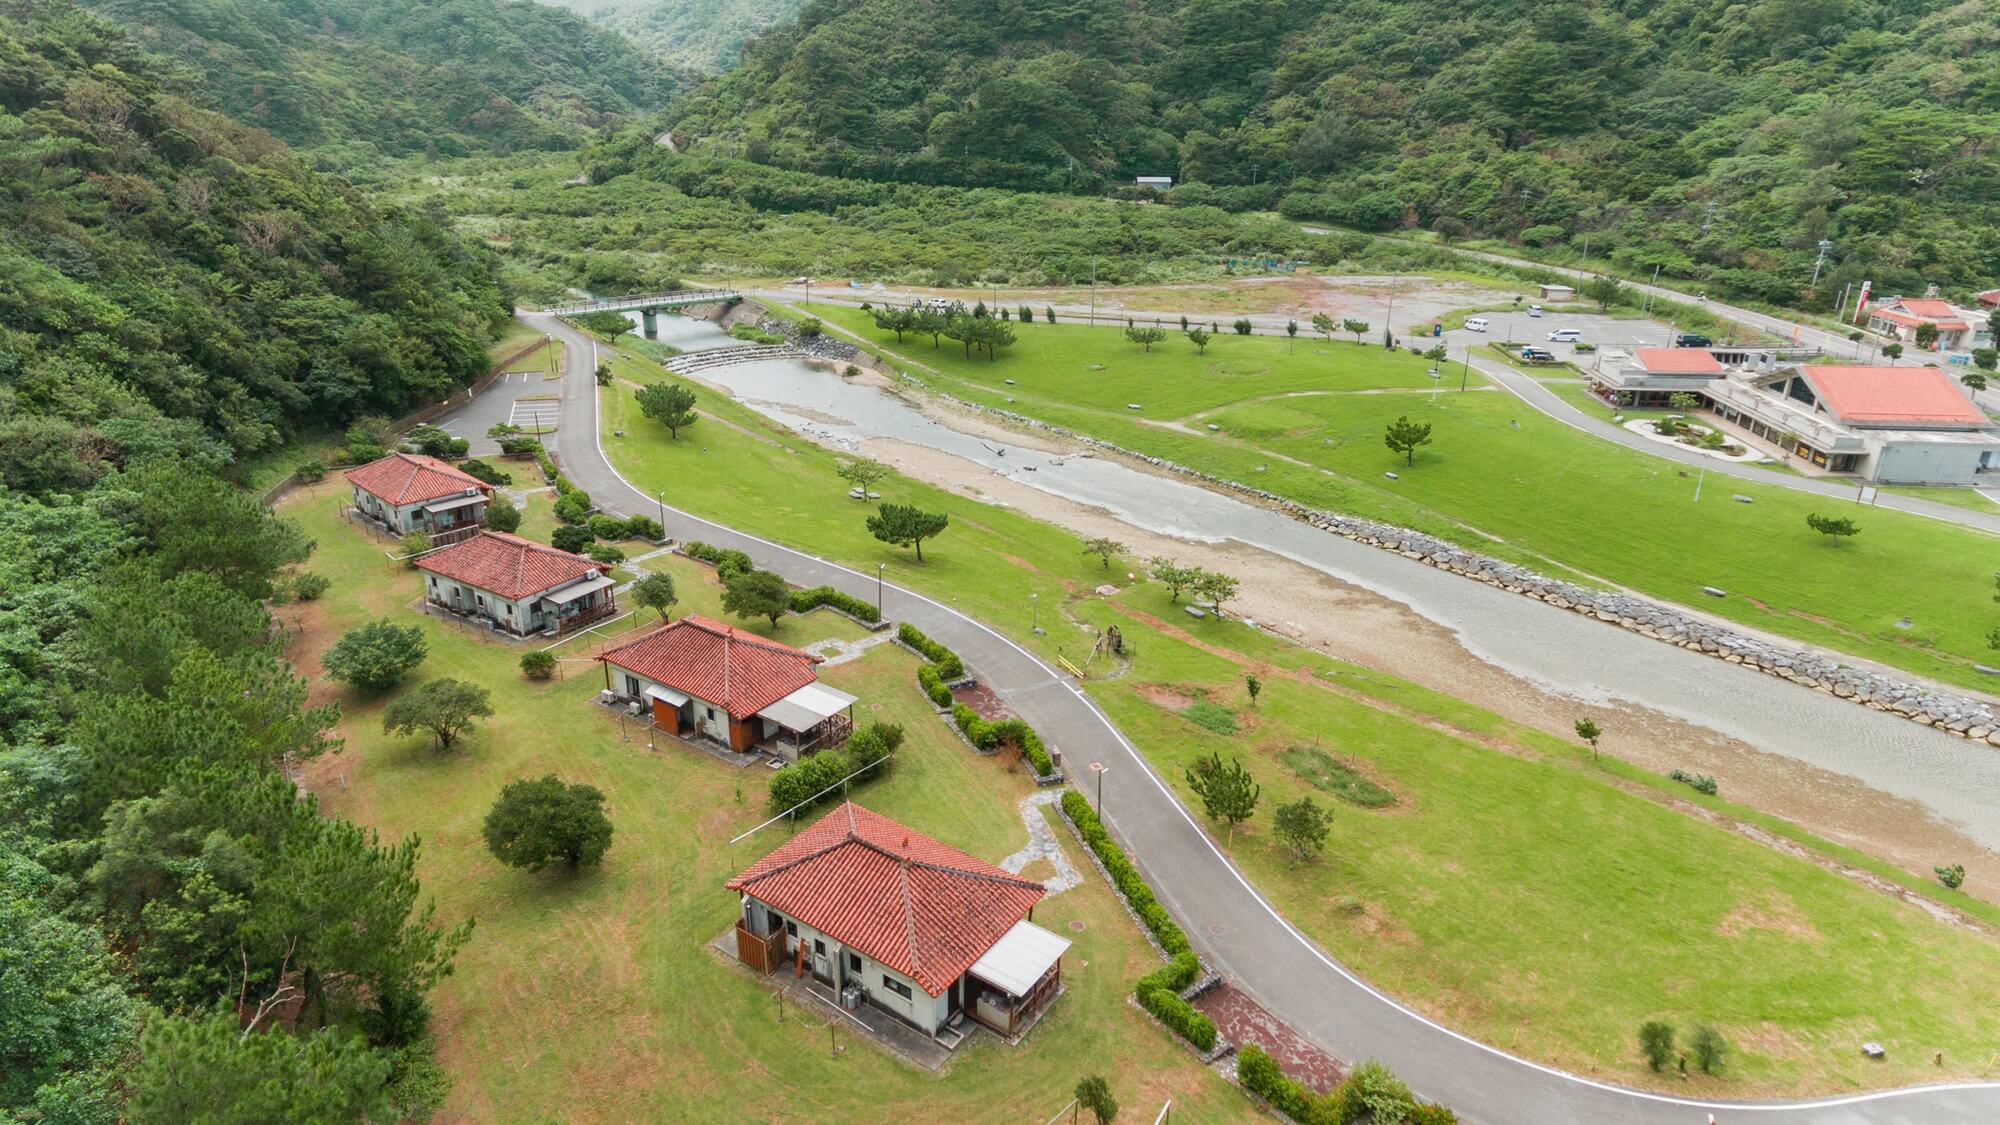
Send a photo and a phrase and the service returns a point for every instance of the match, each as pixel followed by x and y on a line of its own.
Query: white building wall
pixel 1923 462
pixel 519 617
pixel 922 1009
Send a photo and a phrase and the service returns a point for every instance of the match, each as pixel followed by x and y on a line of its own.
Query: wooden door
pixel 667 716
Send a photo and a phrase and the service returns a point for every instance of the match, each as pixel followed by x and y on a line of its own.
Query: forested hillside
pixel 163 262
pixel 1716 139
pixel 176 291
pixel 704 35
pixel 364 77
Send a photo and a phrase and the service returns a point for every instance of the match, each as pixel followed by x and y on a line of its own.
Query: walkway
pixel 1229 922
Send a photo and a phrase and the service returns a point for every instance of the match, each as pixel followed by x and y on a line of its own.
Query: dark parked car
pixel 1691 340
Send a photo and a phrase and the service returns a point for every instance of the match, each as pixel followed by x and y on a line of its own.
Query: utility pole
pixel 1824 246
pixel 1093 292
pixel 1466 372
pixel 1649 292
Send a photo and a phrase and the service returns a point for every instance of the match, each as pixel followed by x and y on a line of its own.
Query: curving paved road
pixel 1232 925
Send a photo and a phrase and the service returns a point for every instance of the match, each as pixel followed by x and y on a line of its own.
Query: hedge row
pixel 1130 883
pixel 1371 1091
pixel 1177 1013
pixel 637 527
pixel 848 604
pixel 727 561
pixel 933 685
pixel 989 733
pixel 948 664
pixel 870 746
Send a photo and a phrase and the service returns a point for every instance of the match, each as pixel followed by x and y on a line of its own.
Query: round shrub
pixel 538 665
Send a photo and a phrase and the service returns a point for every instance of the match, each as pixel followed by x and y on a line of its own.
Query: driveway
pixel 1231 925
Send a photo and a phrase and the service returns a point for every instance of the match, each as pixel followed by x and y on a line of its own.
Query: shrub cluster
pixel 521 445
pixel 848 604
pixel 1371 1089
pixel 1699 782
pixel 538 665
pixel 868 749
pixel 933 685
pixel 948 664
pixel 1125 876
pixel 727 561
pixel 474 467
pixel 1159 992
pixel 637 527
pixel 989 733
pixel 310 472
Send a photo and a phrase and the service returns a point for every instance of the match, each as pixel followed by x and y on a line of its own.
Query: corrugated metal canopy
pixel 666 695
pixel 587 586
pixel 1020 958
pixel 807 707
pixel 455 502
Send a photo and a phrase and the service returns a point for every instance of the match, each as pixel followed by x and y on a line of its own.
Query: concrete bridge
pixel 648 305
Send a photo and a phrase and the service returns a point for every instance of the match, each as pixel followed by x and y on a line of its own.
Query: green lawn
pixel 1521 893
pixel 1514 889
pixel 1550 495
pixel 596 997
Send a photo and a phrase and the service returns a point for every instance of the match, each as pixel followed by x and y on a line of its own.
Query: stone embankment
pixel 1956 714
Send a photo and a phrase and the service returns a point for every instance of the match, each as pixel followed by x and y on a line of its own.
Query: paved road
pixel 1527 389
pixel 1228 921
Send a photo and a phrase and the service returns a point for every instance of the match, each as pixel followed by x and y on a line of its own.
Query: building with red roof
pixel 1892 425
pixel 407 492
pixel 1958 329
pixel 703 678
pixel 1651 377
pixel 517 585
pixel 881 914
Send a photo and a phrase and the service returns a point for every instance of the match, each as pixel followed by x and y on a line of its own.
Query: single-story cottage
pixel 1558 292
pixel 886 916
pixel 699 677
pixel 1958 329
pixel 407 492
pixel 520 586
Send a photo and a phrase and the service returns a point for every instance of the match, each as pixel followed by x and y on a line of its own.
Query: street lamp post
pixel 1035 614
pixel 1466 372
pixel 878 590
pixel 1100 769
pixel 660 498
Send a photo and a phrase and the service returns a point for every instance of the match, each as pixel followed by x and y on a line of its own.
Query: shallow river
pixel 1557 649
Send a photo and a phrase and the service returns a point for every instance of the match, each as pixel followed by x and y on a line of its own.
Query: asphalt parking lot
pixel 507 400
pixel 1602 331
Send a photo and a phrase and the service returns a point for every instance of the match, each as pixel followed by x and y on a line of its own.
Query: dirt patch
pixel 1175 699
pixel 1778 917
pixel 982 700
pixel 1241 1020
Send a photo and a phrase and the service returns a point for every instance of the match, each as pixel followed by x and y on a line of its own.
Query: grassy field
pixel 595 997
pixel 1514 888
pixel 1501 478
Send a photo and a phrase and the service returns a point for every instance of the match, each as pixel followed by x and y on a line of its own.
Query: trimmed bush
pixel 1262 1076
pixel 933 685
pixel 521 446
pixel 1179 1015
pixel 605 553
pixel 307 586
pixel 988 735
pixel 818 596
pixel 310 472
pixel 869 747
pixel 1372 1091
pixel 538 665
pixel 606 527
pixel 482 470
pixel 573 507
pixel 949 666
pixel 1123 875
pixel 727 561
pixel 571 538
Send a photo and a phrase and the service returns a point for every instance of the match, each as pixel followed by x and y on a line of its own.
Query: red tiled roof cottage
pixel 922 908
pixel 507 565
pixel 412 478
pixel 717 663
pixel 1893 396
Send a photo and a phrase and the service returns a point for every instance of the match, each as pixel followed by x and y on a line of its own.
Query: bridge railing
pixel 646 301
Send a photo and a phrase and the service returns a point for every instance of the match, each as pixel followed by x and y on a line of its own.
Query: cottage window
pixel 792 928
pixel 632 686
pixel 853 961
pixel 895 986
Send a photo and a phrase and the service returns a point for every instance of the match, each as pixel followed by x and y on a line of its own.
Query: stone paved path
pixel 1042 845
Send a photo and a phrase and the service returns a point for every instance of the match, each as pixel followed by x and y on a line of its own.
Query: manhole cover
pixel 1076 927
pixel 1217 929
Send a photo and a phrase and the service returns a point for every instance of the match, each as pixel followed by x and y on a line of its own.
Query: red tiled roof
pixel 717 663
pixel 1927 307
pixel 1677 361
pixel 922 908
pixel 507 565
pixel 412 478
pixel 1896 395
pixel 1990 297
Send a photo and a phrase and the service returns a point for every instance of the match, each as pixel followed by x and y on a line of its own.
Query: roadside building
pixel 1890 425
pixel 516 585
pixel 1651 377
pixel 881 915
pixel 407 492
pixel 1958 329
pixel 701 678
pixel 1558 292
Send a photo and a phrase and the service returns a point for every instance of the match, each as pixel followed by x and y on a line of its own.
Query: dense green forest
pixel 163 262
pixel 1718 140
pixel 703 35
pixel 360 78
pixel 175 291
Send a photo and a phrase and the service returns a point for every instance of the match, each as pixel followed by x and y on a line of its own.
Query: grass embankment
pixel 1306 424
pixel 595 997
pixel 1517 890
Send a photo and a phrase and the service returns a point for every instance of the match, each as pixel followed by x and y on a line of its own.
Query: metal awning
pixel 571 593
pixel 666 695
pixel 807 707
pixel 450 502
pixel 1022 957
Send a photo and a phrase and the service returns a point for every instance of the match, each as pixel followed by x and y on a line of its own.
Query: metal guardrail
pixel 674 299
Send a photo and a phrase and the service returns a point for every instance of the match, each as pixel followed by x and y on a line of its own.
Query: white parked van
pixel 1566 335
pixel 1476 324
pixel 1534 310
